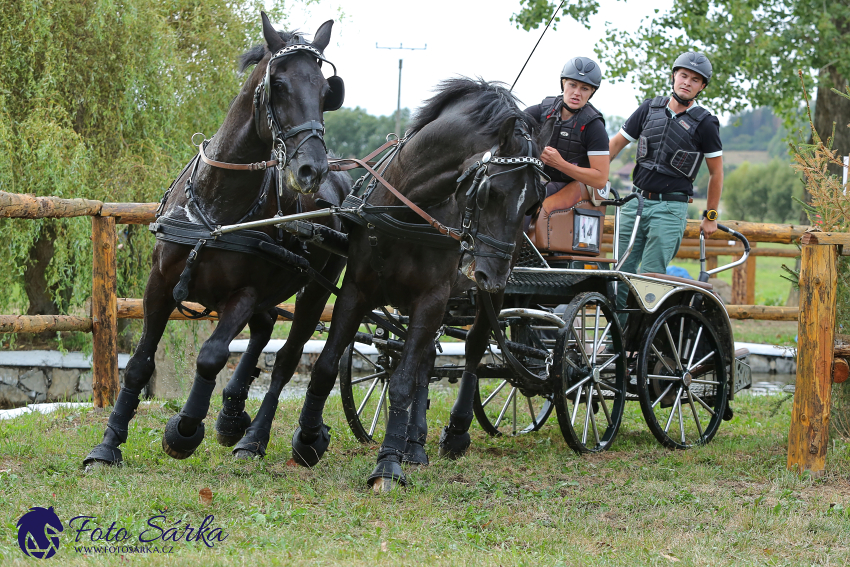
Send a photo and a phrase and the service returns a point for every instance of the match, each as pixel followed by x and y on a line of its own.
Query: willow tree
pixel 756 48
pixel 99 99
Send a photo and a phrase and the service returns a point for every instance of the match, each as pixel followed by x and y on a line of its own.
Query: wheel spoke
pixel 697 381
pixel 609 361
pixel 593 419
pixel 661 358
pixel 581 348
pixel 369 377
pixel 694 348
pixel 664 393
pixel 378 411
pixel 367 359
pixel 694 411
pixel 673 346
pixel 586 419
pixel 595 333
pixel 604 404
pixel 514 424
pixel 505 408
pixel 666 378
pixel 531 411
pixel 703 359
pixel 571 363
pixel 496 391
pixel 681 420
pixel 703 404
pixel 368 395
pixel 577 384
pixel 681 334
pixel 673 411
pixel 575 406
pixel 602 338
pixel 610 387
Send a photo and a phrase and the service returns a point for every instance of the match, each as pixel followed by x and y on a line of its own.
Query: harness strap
pixel 258 166
pixel 340 165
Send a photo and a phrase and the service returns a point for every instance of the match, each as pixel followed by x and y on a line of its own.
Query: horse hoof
pixel 102 455
pixel 454 445
pixel 386 475
pixel 231 428
pixel 309 454
pixel 246 455
pixel 384 485
pixel 175 444
pixel 414 454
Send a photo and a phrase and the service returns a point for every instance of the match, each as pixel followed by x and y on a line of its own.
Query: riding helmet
pixel 695 61
pixel 582 69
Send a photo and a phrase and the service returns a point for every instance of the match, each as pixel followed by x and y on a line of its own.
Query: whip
pixel 555 13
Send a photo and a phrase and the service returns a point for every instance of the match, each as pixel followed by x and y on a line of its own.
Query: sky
pixel 463 37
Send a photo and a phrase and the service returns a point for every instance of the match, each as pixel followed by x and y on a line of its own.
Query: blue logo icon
pixel 38 532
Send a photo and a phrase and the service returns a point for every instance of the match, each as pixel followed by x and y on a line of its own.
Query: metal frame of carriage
pixel 675 354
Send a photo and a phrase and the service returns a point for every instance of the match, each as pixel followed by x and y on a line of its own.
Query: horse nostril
pixel 307 174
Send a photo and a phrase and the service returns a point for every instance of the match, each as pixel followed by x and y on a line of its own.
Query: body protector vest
pixel 667 144
pixel 568 135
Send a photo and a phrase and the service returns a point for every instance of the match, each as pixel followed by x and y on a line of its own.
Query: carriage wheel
pixel 365 399
pixel 681 379
pixel 589 370
pixel 501 409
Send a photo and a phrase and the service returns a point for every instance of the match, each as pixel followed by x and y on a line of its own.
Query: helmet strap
pixel 682 101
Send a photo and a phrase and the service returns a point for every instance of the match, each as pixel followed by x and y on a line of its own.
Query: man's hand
pixel 709 227
pixel 551 157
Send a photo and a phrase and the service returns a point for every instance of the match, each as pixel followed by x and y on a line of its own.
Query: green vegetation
pixel 353 132
pixel 768 192
pixel 511 501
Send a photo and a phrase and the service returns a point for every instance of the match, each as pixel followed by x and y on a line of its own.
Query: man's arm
pixel 715 188
pixel 616 145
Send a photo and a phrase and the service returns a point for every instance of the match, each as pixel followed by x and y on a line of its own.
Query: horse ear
pixel 270 34
pixel 323 36
pixel 506 136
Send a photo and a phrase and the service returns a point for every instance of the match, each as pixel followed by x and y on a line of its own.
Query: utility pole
pixel 398 104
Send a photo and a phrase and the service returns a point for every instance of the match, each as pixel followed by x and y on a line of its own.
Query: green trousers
pixel 662 225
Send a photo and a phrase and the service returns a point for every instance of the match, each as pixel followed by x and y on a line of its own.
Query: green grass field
pixel 510 501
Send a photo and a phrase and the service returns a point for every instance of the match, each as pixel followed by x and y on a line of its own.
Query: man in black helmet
pixel 674 134
pixel 578 149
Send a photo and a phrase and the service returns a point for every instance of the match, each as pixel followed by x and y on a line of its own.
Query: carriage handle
pixel 703 274
pixel 619 203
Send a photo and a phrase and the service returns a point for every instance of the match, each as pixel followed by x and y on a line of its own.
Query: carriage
pixel 560 346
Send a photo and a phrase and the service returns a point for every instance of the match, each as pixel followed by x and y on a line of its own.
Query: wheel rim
pixel 682 379
pixel 364 398
pixel 590 373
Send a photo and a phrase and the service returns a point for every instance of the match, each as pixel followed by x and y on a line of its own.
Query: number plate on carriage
pixel 743 376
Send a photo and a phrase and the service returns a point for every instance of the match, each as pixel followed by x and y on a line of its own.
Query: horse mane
pixel 257 52
pixel 492 103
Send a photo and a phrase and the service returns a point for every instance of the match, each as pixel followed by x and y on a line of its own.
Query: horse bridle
pixel 478 195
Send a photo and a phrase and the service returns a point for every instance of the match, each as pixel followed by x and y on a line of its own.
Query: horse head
pixel 291 95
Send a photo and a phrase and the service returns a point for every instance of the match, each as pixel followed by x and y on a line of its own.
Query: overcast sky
pixel 463 37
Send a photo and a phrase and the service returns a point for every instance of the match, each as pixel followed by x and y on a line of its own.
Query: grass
pixel 510 501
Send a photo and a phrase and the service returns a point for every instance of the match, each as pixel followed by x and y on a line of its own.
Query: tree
pixel 353 132
pixel 99 99
pixel 755 46
pixel 762 192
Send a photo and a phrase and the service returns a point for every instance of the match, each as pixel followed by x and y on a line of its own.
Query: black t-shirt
pixel 706 138
pixel 594 137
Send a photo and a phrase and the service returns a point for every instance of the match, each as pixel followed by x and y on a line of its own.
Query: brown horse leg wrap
pixel 454 441
pixel 116 429
pixel 417 429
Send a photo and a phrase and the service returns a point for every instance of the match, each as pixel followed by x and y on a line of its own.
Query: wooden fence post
pixel 744 281
pixel 104 312
pixel 809 435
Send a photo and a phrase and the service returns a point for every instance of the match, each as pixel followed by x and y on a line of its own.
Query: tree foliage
pixel 99 99
pixel 353 132
pixel 763 192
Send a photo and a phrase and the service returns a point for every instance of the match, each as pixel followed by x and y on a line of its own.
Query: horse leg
pixel 454 441
pixel 233 420
pixel 312 437
pixel 158 305
pixel 417 427
pixel 185 431
pixel 425 318
pixel 308 310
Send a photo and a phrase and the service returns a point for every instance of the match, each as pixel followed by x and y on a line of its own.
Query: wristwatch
pixel 709 214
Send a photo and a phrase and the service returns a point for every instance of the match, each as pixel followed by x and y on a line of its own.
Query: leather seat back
pixel 568 222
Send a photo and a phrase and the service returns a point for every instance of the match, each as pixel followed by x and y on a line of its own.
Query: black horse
pixel 452 164
pixel 277 112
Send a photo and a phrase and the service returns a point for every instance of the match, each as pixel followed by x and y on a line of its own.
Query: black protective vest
pixel 568 135
pixel 667 145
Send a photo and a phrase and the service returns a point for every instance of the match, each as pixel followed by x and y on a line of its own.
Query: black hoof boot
pixel 453 445
pixel 415 454
pixel 230 429
pixel 175 444
pixel 387 475
pixel 309 454
pixel 103 454
pixel 253 445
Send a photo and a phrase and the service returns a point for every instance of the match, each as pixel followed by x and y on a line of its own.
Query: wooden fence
pixel 820 359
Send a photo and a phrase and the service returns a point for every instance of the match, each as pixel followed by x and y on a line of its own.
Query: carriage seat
pixel 568 222
pixel 703 285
